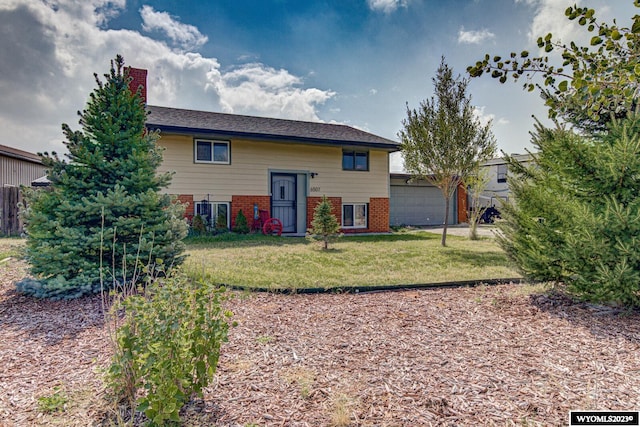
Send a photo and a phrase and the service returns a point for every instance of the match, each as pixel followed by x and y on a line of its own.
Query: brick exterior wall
pixel 378 210
pixel 138 78
pixel 188 200
pixel 336 204
pixel 379 215
pixel 246 204
pixel 462 204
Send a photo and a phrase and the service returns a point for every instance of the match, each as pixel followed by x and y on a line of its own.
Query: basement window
pixel 211 212
pixel 354 215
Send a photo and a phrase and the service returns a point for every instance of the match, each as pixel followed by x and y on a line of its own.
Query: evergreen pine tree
pixel 241 226
pixel 577 216
pixel 104 209
pixel 324 225
pixel 576 212
pixel 533 230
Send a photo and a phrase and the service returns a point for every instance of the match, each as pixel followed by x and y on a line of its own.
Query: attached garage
pixel 418 203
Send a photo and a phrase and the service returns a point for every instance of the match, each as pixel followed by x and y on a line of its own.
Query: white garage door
pixel 418 205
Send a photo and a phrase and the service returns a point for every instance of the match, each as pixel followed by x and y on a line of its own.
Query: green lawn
pixel 396 259
pixel 257 261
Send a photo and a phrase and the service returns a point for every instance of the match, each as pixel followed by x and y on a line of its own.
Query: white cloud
pixel 183 35
pixel 57 48
pixel 549 17
pixel 258 89
pixel 484 118
pixel 474 37
pixel 386 6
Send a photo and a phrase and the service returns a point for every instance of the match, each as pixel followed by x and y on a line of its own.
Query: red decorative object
pixel 267 224
pixel 272 226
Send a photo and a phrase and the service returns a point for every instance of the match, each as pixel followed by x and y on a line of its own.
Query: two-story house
pixel 225 162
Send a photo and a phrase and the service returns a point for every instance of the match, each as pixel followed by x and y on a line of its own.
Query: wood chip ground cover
pixel 449 357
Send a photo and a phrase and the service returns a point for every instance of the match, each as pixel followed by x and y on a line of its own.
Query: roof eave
pixel 390 147
pixel 20 157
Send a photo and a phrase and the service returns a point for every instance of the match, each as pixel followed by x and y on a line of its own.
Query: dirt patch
pixel 473 356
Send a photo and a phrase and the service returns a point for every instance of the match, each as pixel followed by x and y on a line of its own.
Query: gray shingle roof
pixel 203 123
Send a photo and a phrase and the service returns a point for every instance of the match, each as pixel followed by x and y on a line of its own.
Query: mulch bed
pixel 445 357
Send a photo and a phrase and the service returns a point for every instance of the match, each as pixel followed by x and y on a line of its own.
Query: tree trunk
pixel 474 219
pixel 446 219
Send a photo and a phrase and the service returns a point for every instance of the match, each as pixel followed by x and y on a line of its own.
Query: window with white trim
pixel 211 212
pixel 207 151
pixel 354 215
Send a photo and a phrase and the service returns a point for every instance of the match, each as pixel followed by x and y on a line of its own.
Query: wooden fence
pixel 10 224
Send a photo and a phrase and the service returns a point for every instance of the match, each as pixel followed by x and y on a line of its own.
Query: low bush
pixel 198 226
pixel 221 223
pixel 167 344
pixel 241 226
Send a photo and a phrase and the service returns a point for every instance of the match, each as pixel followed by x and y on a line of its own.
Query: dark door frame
pixel 293 201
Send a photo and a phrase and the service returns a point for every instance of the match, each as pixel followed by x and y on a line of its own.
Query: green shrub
pixel 198 226
pixel 241 225
pixel 167 345
pixel 54 402
pixel 221 223
pixel 576 218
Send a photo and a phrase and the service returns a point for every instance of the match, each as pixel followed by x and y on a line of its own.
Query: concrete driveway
pixel 463 230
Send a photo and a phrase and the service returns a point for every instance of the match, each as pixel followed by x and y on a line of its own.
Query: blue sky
pixel 356 62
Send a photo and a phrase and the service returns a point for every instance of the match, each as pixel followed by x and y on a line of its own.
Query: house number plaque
pixel 315 189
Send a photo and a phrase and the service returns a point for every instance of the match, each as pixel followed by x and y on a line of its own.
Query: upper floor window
pixel 212 151
pixel 502 173
pixel 355 160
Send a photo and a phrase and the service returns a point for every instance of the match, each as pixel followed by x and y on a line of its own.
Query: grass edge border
pixel 382 288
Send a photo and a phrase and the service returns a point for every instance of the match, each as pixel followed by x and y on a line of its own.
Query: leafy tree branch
pixel 593 84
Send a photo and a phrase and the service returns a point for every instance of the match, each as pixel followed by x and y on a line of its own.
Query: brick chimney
pixel 139 78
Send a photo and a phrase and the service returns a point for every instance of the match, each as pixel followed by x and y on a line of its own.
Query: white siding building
pixel 497 188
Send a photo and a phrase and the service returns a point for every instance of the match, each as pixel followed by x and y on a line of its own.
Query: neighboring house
pixel 420 203
pixel 225 163
pixel 19 167
pixel 497 188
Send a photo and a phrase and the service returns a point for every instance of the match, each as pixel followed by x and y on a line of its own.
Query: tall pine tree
pixel 577 215
pixel 104 212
